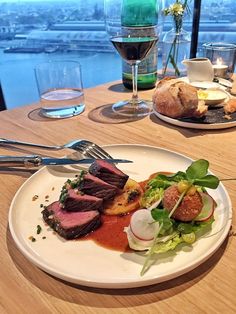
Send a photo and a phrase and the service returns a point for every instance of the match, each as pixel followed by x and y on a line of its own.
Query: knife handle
pixel 20 161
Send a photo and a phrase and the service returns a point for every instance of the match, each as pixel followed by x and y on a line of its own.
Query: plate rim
pixel 141 282
pixel 191 125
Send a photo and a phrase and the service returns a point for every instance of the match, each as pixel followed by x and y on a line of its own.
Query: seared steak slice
pixel 109 173
pixel 70 225
pixel 94 186
pixel 75 201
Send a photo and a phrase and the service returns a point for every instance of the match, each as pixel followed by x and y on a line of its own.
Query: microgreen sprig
pixel 196 174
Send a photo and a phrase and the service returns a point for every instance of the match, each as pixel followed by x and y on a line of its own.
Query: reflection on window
pixel 218 21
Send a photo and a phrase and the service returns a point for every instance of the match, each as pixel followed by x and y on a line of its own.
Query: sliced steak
pixel 109 173
pixel 94 186
pixel 74 201
pixel 70 225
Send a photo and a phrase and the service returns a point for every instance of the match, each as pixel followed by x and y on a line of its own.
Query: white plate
pixel 207 84
pixel 84 262
pixel 196 125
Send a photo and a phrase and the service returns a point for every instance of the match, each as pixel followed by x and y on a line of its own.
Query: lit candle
pixel 220 69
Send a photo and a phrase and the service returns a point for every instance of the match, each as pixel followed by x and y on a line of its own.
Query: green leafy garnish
pixel 185 228
pixel 198 169
pixel 77 181
pixel 164 181
pixel 209 181
pixel 39 229
pixel 169 245
pixel 72 184
pixel 162 216
pixel 195 175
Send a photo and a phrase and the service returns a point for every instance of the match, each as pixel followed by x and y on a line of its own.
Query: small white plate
pixel 84 262
pixel 204 84
pixel 213 96
pixel 224 82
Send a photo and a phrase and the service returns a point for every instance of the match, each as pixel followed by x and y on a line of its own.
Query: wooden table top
pixel 209 288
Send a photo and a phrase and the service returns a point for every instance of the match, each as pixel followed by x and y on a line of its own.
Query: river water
pixel 17 72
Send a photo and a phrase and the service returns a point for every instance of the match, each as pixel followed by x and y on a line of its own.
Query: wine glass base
pixel 61 113
pixel 127 108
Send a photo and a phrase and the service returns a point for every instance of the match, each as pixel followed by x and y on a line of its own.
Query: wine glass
pixel 133 44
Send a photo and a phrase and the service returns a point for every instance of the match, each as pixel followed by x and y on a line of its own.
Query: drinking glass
pixel 60 88
pixel 133 44
pixel 223 58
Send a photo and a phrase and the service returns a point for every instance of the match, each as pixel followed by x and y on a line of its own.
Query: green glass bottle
pixel 142 18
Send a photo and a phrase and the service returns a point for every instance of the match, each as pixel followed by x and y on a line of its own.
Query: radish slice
pixel 207 209
pixel 143 226
pixel 135 243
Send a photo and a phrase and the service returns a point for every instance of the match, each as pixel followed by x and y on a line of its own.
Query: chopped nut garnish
pixel 35 197
pixel 227 117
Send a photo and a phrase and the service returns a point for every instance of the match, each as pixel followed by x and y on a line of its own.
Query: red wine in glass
pixel 133 49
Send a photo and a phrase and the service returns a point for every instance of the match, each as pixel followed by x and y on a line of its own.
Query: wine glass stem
pixel 135 83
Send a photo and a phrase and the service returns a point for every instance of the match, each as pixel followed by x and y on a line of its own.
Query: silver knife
pixel 36 161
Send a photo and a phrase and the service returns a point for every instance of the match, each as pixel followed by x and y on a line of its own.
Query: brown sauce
pixel 111 234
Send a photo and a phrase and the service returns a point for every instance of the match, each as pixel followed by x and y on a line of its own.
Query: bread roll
pixel 230 106
pixel 177 99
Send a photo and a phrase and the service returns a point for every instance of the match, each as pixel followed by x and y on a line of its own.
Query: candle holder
pixel 222 57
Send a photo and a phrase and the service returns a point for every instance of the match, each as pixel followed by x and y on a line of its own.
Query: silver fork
pixel 86 148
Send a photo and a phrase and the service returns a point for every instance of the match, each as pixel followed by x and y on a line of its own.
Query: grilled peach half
pixel 127 201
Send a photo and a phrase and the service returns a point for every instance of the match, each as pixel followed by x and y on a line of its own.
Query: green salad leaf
pixel 162 216
pixel 198 169
pixel 209 181
pixel 170 245
pixel 186 233
pixel 150 196
pixel 164 181
pixel 185 227
pixel 196 174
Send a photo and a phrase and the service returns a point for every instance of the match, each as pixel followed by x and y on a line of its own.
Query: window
pixel 32 31
pixel 217 22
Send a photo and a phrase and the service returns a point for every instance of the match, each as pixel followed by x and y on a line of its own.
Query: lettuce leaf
pixel 169 245
pixel 151 196
pixel 170 242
